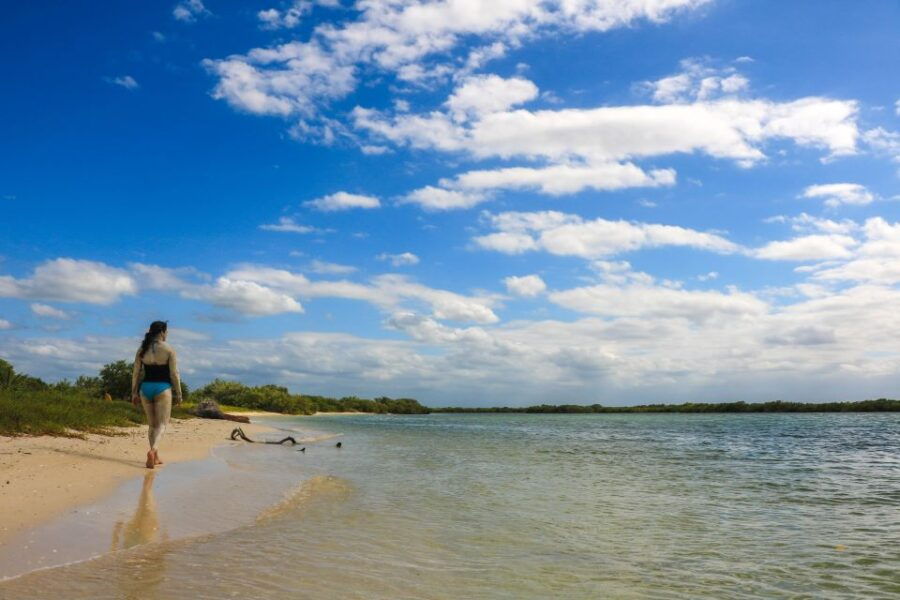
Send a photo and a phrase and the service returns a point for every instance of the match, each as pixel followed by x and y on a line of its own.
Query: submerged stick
pixel 239 433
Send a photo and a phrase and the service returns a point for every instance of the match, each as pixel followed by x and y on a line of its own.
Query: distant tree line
pixel 777 406
pixel 278 399
pixel 115 379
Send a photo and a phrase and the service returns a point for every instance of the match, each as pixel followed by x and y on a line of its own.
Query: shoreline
pixel 45 477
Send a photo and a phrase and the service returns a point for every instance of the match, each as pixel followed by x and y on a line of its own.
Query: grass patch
pixel 66 413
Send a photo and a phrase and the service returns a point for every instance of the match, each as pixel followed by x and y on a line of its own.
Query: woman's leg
pixel 150 411
pixel 162 409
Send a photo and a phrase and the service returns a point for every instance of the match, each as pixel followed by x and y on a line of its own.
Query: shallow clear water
pixel 544 506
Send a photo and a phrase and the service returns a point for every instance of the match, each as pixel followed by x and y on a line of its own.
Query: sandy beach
pixel 42 477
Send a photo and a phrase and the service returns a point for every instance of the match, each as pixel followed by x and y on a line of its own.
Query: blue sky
pixel 465 202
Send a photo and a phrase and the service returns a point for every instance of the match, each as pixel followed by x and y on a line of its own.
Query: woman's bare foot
pixel 156 458
pixel 151 461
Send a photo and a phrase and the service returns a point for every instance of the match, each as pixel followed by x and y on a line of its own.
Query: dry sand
pixel 41 477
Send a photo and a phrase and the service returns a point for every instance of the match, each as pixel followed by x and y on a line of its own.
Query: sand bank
pixel 42 477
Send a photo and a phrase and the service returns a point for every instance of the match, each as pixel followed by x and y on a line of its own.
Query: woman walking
pixel 155 383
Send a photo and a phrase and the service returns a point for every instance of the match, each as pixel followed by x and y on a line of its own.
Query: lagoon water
pixel 536 506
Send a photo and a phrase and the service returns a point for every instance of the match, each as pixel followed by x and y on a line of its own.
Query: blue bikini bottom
pixel 152 389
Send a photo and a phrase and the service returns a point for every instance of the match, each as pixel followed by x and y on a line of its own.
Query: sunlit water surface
pixel 538 506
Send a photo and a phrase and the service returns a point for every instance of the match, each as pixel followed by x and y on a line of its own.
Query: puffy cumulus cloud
pixel 4 324
pixel 245 297
pixel 387 292
pixel 809 247
pixel 413 40
pixel 697 81
pixel 876 260
pixel 287 224
pixel 242 296
pixel 435 198
pixel 835 194
pixel 527 286
pixel 291 79
pixel 726 129
pixel 482 94
pixel 570 235
pixel 343 201
pixel 655 301
pixel 272 18
pixel 45 310
pixel 404 259
pixel 883 142
pixel 189 10
pixel 562 179
pixel 71 280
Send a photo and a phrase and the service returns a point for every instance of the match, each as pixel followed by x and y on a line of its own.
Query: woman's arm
pixel 175 377
pixel 136 378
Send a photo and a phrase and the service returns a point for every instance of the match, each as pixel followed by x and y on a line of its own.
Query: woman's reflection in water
pixel 143 569
pixel 143 527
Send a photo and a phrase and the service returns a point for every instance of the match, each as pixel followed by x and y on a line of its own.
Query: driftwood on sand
pixel 209 409
pixel 239 433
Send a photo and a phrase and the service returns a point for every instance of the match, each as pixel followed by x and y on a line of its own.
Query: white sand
pixel 41 477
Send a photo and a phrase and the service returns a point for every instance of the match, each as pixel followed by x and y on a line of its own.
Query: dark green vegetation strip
pixel 278 399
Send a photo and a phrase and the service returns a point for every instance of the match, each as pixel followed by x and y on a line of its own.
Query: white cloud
pixel 876 260
pixel 570 235
pixel 188 10
pixel 403 259
pixel 435 198
pixel 697 81
pixel 71 280
pixel 327 268
pixel 287 224
pixel 4 324
pixel 897 107
pixel 808 223
pixel 653 301
pixel 343 201
pixel 482 94
pixel 45 310
pixel 527 286
pixel 809 247
pixel 234 293
pixel 413 40
pixel 564 179
pixel 836 194
pixel 126 81
pixel 726 129
pixel 388 292
pixel 245 297
pixel 883 142
pixel 273 18
pixel 310 76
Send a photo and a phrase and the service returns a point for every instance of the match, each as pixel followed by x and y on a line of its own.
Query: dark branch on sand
pixel 239 433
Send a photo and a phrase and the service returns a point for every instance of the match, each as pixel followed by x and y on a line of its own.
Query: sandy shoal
pixel 41 477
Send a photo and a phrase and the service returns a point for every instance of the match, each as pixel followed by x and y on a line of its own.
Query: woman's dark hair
pixel 156 328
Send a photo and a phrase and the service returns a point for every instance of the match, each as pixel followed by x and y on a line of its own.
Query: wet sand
pixel 45 477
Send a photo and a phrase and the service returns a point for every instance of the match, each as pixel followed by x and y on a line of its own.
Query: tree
pixel 116 379
pixel 10 380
